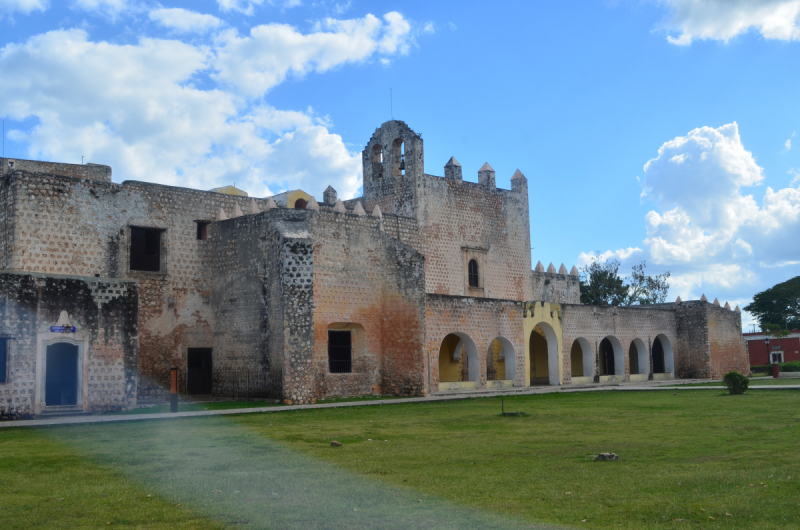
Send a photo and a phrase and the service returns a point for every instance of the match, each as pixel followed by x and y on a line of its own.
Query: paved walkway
pixel 440 396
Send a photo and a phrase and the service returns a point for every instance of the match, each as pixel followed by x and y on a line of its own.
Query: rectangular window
pixel 145 249
pixel 340 352
pixel 3 360
pixel 202 230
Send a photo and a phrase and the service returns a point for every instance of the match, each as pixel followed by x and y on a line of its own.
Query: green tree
pixel 778 306
pixel 601 284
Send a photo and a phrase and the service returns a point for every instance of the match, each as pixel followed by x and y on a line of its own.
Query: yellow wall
pixel 449 370
pixel 534 314
pixel 231 190
pixel 538 348
pixel 292 197
pixel 499 366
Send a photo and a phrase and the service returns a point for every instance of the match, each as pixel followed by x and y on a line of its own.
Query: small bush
pixel 791 366
pixel 736 382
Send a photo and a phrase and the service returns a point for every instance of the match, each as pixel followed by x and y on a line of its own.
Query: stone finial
pixel 237 210
pixel 551 268
pixel 452 170
pixel 221 215
pixel 376 212
pixel 539 267
pixel 727 306
pixel 63 320
pixel 312 204
pixel 574 271
pixel 737 309
pixel 518 175
pixel 329 196
pixel 562 270
pixel 678 300
pixel 704 298
pixel 253 207
pixel 359 210
pixel 339 207
pixel 271 204
pixel 716 302
pixel 486 176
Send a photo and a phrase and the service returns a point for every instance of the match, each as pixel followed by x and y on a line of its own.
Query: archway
pixel 638 358
pixel 398 157
pixel 663 362
pixel 582 359
pixel 61 374
pixel 300 204
pixel 543 345
pixel 458 359
pixel 501 360
pixel 612 361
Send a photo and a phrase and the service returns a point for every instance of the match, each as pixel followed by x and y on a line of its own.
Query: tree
pixel 602 285
pixel 779 305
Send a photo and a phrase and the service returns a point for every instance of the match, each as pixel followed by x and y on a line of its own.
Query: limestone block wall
pixel 477 321
pixel 66 225
pixel 555 288
pixel 373 284
pixel 7 218
pixel 96 172
pixel 625 324
pixel 711 340
pixel 104 313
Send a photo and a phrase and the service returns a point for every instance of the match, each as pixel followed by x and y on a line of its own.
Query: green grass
pixel 758 381
pixel 688 458
pixel 215 405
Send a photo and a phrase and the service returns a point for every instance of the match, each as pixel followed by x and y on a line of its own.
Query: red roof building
pixel 780 350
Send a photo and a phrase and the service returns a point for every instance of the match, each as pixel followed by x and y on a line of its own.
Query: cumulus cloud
pixel 184 21
pixel 623 254
pixel 247 7
pixel 23 6
pixel 140 108
pixel 110 8
pixel 725 19
pixel 242 62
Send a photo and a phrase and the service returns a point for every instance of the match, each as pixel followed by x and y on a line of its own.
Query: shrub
pixel 736 382
pixel 791 366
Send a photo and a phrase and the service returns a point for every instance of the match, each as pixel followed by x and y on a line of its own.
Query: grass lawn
pixel 213 405
pixel 757 381
pixel 688 458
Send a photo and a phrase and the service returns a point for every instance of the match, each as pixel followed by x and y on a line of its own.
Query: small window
pixel 145 249
pixel 300 204
pixel 3 360
pixel 473 273
pixel 202 230
pixel 340 350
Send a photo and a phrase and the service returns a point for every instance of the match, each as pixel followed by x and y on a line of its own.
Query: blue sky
pixel 661 130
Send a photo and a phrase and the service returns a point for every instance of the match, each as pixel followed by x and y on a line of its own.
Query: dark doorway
pixel 658 357
pixel 145 249
pixel 340 352
pixel 300 204
pixel 61 379
pixel 3 360
pixel 606 358
pixel 199 376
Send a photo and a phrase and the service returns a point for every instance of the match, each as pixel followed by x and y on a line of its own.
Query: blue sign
pixel 62 329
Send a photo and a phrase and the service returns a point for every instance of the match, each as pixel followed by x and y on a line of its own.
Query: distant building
pixel 780 350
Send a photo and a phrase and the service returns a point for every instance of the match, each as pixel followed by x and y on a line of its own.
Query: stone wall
pixel 7 221
pixel 478 321
pixel 594 323
pixel 104 313
pixel 711 342
pixel 554 287
pixel 96 172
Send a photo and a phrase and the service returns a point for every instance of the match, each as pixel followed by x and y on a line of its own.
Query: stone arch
pixel 544 355
pixel 300 204
pixel 581 356
pixel 458 358
pixel 662 355
pixel 398 156
pixel 501 360
pixel 611 356
pixel 638 360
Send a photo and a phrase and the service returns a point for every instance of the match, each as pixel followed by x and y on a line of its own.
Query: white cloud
pixel 139 108
pixel 242 62
pixel 23 6
pixel 788 144
pixel 242 6
pixel 184 21
pixel 110 8
pixel 725 19
pixel 585 258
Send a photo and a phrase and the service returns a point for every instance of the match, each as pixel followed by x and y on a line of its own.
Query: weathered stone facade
pixel 263 284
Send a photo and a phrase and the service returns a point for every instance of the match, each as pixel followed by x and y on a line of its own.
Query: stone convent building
pixel 423 284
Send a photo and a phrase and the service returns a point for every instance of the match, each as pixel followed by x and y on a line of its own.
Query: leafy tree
pixel 779 305
pixel 601 284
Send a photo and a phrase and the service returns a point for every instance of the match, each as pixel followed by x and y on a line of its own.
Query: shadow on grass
pixel 227 472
